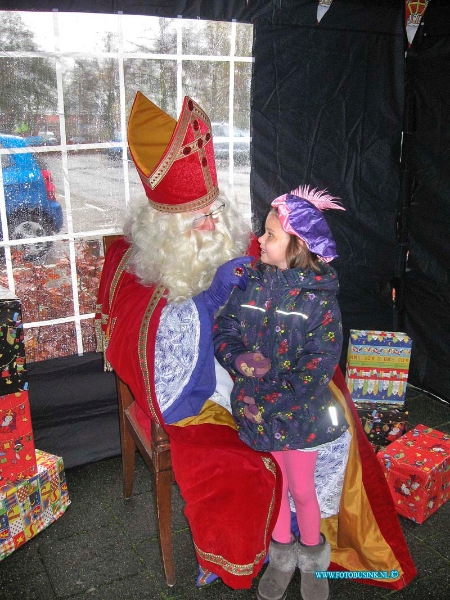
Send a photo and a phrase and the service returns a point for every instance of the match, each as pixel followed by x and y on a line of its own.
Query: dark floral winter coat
pixel 292 317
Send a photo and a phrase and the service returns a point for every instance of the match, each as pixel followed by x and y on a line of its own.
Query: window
pixel 68 83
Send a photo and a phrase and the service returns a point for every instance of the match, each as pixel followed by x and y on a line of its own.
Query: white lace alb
pixel 176 352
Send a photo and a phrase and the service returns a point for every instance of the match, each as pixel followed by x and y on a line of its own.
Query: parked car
pixel 43 138
pixel 241 145
pixel 35 140
pixel 30 197
pixel 76 140
pixel 49 137
pixel 115 152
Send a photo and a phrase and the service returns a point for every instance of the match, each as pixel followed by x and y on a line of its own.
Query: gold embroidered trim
pixel 117 275
pixel 247 569
pixel 269 464
pixel 234 569
pixel 107 364
pixel 142 346
pixel 103 337
pixel 98 329
pixel 187 206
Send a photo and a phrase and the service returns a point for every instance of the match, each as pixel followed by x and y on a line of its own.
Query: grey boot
pixel 279 572
pixel 311 559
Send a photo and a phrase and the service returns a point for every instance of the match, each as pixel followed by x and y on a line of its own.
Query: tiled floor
pixel 106 548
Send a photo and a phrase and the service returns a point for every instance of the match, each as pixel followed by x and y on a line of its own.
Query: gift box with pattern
pixel 17 451
pixel 29 506
pixel 17 454
pixel 12 348
pixel 417 469
pixel 383 424
pixel 377 366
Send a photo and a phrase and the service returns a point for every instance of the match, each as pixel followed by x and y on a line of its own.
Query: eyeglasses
pixel 200 221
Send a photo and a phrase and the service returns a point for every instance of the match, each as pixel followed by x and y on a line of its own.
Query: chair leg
pixel 128 448
pixel 163 480
pixel 128 465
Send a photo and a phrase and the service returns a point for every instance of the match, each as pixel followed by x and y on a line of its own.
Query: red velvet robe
pixel 232 492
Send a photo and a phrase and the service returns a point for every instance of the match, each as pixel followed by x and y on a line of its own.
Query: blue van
pixel 30 197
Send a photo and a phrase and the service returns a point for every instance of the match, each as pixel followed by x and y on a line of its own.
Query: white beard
pixel 185 263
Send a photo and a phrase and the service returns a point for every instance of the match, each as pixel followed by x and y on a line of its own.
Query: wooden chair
pixel 154 447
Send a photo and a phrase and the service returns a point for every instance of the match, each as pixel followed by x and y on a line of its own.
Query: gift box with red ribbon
pixel 417 469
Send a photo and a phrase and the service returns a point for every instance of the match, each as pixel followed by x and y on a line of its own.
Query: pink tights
pixel 298 477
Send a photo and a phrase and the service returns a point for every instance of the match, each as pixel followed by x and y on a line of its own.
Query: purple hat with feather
pixel 300 214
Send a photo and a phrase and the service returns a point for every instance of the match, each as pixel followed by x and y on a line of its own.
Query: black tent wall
pixel 424 307
pixel 330 101
pixel 327 109
pixel 214 10
pixel 345 104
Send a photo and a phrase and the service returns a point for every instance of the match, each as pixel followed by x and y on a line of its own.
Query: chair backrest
pixel 108 240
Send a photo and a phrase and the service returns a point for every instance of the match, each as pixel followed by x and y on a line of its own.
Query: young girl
pixel 281 338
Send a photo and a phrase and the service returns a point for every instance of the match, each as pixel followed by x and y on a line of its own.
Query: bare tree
pixel 28 84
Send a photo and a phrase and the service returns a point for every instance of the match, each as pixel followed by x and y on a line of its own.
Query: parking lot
pixel 92 191
pixel 91 187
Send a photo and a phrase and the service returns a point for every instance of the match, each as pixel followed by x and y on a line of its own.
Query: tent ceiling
pixel 239 10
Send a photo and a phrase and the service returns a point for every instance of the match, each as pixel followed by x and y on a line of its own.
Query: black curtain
pixel 327 110
pixel 424 291
pixel 212 10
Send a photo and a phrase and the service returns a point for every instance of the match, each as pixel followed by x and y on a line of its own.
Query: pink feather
pixel 319 198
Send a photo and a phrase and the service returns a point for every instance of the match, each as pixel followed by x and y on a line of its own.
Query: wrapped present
pixel 17 453
pixel 12 348
pixel 377 366
pixel 29 506
pixel 417 469
pixel 382 424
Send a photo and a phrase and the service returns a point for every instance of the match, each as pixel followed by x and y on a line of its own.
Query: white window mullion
pixel 123 117
pixel 64 159
pixel 231 103
pixel 5 232
pixel 179 26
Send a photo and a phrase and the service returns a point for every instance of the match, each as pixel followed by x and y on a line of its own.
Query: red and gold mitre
pixel 174 159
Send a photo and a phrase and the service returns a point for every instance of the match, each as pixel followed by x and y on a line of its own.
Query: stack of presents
pixel 376 376
pixel 33 489
pixel 416 460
